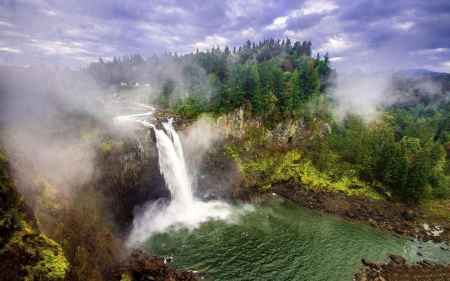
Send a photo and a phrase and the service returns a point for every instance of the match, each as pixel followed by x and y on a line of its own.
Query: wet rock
pixel 408 215
pixel 366 262
pixel 428 262
pixel 141 266
pixel 360 277
pixel 372 222
pixel 423 270
pixel 397 259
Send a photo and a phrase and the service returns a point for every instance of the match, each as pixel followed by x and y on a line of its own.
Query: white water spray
pixel 183 211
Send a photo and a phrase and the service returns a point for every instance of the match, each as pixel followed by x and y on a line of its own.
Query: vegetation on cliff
pixel 26 253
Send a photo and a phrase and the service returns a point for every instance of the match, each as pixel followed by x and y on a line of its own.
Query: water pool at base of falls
pixel 279 240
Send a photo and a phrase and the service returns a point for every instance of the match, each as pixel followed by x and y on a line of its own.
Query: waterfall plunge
pixel 183 211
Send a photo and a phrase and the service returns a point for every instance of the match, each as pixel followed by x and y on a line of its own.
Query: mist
pixel 197 140
pixel 50 117
pixel 361 94
pixel 183 210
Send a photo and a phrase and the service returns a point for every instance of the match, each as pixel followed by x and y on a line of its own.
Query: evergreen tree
pixel 227 51
pixel 396 170
pixel 296 91
pixel 255 91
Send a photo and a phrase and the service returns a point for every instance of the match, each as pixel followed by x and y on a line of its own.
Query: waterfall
pixel 184 210
pixel 172 166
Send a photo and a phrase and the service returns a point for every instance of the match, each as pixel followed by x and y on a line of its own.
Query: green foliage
pixel 189 107
pixel 45 258
pixel 396 170
pixel 10 203
pixel 276 77
pixel 52 266
pixel 232 150
pixel 107 146
pixel 125 277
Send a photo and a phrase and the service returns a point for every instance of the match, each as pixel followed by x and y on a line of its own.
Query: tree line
pixel 269 78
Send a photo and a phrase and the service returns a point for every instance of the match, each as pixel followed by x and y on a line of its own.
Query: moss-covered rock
pixel 26 254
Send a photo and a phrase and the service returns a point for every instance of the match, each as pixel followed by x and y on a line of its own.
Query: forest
pixel 272 78
pixel 403 155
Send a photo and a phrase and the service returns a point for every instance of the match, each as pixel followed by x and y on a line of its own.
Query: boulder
pixel 366 262
pixel 428 262
pixel 397 259
pixel 372 222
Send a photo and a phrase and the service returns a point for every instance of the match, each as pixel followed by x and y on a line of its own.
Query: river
pixel 282 241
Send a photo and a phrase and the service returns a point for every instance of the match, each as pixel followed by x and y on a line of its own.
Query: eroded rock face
pixel 128 175
pixel 294 133
pixel 231 125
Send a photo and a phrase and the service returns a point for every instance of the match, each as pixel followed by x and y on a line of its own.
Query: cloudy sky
pixel 374 35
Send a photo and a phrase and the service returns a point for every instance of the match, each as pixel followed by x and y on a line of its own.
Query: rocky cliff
pixel 76 218
pixel 26 253
pixel 290 133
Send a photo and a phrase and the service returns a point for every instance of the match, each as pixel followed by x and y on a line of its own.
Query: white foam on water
pixel 184 210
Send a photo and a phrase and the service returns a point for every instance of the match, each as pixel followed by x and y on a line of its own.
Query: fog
pixel 50 120
pixel 184 210
pixel 197 140
pixel 361 94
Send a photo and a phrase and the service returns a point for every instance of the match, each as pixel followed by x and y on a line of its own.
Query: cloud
pixel 7 24
pixel 211 41
pixel 336 45
pixel 278 23
pixel 318 7
pixel 334 59
pixel 385 29
pixel 405 25
pixel 10 50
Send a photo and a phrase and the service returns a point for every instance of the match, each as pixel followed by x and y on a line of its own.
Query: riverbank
pixel 424 223
pixel 415 221
pixel 397 269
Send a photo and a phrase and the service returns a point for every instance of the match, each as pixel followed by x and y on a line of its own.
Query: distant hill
pixel 417 73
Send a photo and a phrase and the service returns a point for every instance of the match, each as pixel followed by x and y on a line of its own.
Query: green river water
pixel 279 240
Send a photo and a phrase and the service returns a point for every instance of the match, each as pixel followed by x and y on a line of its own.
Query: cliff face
pixel 251 156
pixel 128 175
pixel 84 215
pixel 25 252
pixel 292 133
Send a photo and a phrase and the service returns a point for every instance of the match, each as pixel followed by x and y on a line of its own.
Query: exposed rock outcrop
pixel 398 270
pixel 142 266
pixel 294 132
